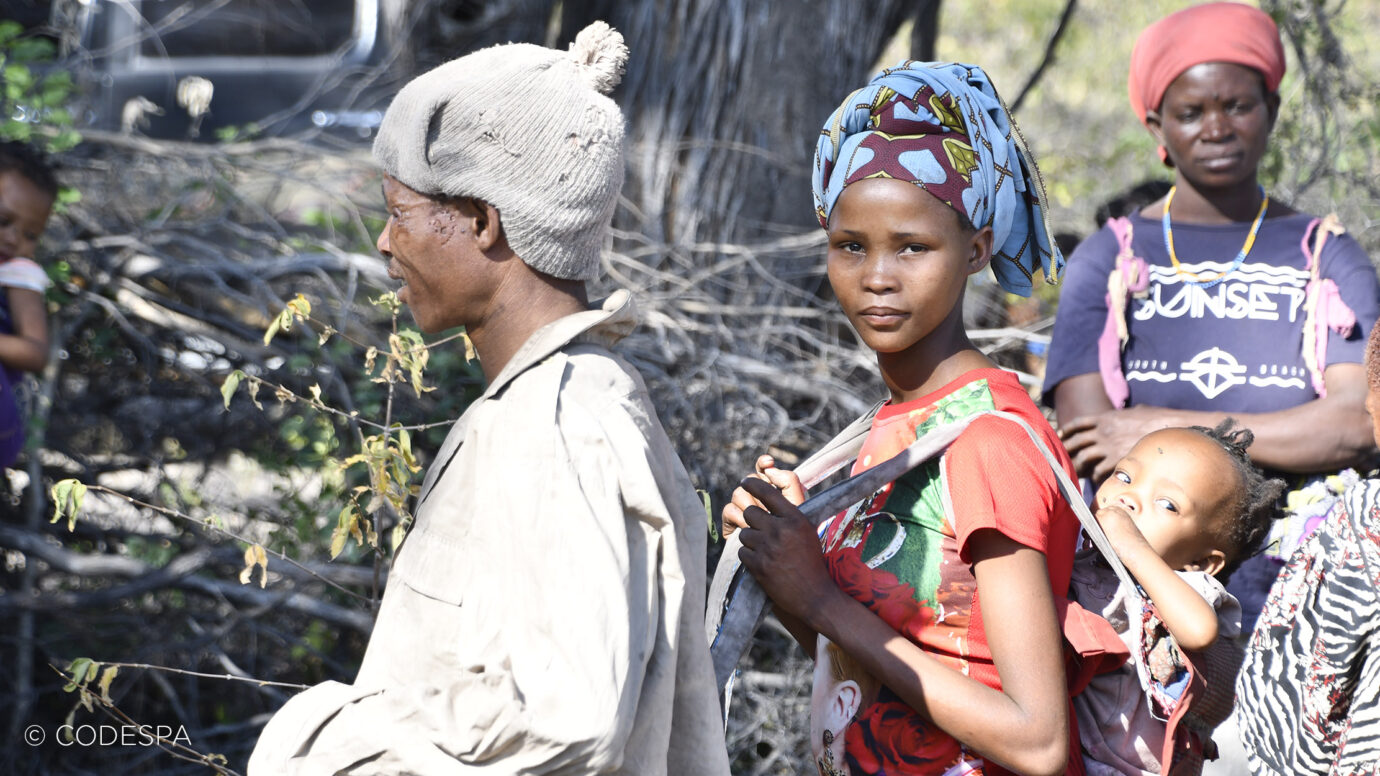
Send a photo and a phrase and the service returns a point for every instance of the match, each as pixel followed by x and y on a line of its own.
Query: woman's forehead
pixel 1215 79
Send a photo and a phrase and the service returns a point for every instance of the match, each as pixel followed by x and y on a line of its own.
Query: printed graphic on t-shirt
pixel 896 552
pixel 1219 346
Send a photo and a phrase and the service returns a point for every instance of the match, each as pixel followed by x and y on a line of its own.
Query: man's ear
pixel 980 253
pixel 1272 106
pixel 1213 562
pixel 488 224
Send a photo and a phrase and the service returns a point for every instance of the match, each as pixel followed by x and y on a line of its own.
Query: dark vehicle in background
pixel 222 69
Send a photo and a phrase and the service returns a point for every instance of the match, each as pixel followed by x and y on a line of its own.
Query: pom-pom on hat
pixel 528 129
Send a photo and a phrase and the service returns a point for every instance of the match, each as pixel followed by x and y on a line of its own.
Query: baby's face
pixel 24 210
pixel 1177 485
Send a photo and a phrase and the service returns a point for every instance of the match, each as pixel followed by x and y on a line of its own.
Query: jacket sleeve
pixel 521 615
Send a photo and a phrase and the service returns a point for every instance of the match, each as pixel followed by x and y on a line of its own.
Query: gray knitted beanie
pixel 528 129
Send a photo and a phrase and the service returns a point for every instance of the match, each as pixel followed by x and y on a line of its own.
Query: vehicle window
pixel 198 28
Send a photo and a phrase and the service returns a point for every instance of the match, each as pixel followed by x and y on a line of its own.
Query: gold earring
pixel 826 763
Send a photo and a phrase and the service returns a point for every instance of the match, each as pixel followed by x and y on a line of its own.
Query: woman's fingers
pixel 788 483
pixel 1076 425
pixel 733 511
pixel 770 499
pixel 731 519
pixel 764 462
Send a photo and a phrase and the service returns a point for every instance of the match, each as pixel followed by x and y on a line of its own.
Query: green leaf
pixel 32 49
pixel 77 671
pixel 64 140
pixel 709 515
pixel 107 676
pixel 16 130
pixel 300 307
pixel 273 329
pixel 18 76
pixel 232 382
pixel 67 499
pixel 347 524
pixel 254 555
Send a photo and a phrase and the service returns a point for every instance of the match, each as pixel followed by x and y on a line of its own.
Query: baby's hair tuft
pixel 1254 508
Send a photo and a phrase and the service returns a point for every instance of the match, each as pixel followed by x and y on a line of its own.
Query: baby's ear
pixel 1213 562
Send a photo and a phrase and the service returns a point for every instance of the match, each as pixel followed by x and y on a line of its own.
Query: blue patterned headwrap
pixel 942 126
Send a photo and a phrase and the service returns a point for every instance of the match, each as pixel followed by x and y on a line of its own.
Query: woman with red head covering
pixel 1218 299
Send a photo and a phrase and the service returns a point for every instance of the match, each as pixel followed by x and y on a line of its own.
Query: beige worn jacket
pixel 545 614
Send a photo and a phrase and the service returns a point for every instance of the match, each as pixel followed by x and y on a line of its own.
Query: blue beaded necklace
pixel 1192 277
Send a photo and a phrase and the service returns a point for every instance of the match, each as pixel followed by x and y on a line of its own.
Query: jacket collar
pixel 610 322
pixel 614 319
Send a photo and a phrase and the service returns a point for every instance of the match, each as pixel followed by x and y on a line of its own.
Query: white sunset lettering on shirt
pixel 1255 292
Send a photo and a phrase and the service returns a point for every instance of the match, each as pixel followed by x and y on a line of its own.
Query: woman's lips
pixel 882 316
pixel 1220 162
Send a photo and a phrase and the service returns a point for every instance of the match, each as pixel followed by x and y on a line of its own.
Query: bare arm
pixel 27 348
pixel 1190 619
pixel 1024 726
pixel 1324 434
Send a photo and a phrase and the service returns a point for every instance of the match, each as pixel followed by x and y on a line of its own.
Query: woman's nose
pixel 1216 127
pixel 878 276
pixel 1127 501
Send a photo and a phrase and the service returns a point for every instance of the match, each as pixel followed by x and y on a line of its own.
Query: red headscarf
pixel 1213 32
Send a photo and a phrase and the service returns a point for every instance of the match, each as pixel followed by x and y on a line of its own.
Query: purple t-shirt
pixel 1235 347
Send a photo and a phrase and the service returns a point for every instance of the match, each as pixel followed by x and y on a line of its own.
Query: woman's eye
pixel 1123 476
pixel 1167 505
pixel 917 248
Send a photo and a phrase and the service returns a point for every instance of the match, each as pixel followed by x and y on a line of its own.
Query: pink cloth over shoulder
pixel 1213 32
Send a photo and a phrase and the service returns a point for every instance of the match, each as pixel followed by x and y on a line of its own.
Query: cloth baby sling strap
pixel 1130 277
pixel 737 604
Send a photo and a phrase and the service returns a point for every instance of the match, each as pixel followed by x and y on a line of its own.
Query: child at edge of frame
pixel 942 585
pixel 28 190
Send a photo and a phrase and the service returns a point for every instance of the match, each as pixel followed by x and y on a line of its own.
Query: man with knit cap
pixel 544 614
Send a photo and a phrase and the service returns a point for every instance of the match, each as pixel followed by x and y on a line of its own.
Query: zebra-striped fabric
pixel 1308 694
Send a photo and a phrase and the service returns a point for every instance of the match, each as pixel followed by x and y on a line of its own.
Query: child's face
pixel 899 261
pixel 1178 486
pixel 24 210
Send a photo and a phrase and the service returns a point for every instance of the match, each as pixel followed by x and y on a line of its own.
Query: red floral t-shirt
pixel 905 556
